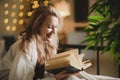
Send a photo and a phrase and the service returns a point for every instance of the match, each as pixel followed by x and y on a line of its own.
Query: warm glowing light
pixel 6 5
pixel 13 14
pixel 14 6
pixel 8 28
pixel 5 21
pixel 35 4
pixel 63 8
pixel 6 12
pixel 29 13
pixel 46 2
pixel 21 6
pixel 21 21
pixel 14 21
pixel 14 28
pixel 21 14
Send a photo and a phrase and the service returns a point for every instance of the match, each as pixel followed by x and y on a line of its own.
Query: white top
pixel 20 64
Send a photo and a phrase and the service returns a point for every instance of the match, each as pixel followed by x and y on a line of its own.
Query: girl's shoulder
pixel 16 44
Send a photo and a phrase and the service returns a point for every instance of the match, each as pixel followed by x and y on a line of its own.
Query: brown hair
pixel 38 17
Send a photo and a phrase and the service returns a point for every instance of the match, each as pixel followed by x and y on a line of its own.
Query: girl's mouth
pixel 49 37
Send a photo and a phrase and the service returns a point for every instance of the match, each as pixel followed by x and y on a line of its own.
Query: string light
pixel 6 5
pixel 21 7
pixel 13 14
pixel 35 4
pixel 29 13
pixel 46 2
pixel 6 21
pixel 13 28
pixel 14 6
pixel 14 21
pixel 21 14
pixel 6 12
pixel 21 21
pixel 8 28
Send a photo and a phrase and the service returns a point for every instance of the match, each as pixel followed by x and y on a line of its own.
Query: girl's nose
pixel 53 30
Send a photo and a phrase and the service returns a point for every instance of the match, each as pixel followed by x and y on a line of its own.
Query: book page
pixel 61 58
pixel 71 59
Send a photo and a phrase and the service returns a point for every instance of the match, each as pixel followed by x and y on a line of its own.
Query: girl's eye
pixel 49 26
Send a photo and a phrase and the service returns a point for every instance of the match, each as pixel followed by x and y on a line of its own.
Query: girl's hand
pixel 62 75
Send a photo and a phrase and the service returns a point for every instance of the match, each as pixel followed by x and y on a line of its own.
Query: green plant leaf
pixel 104 26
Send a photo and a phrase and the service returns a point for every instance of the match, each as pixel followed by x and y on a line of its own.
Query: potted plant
pixel 104 27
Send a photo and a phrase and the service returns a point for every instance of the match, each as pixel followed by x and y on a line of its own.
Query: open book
pixel 71 61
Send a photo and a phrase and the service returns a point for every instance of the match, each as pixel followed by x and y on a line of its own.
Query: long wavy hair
pixel 44 49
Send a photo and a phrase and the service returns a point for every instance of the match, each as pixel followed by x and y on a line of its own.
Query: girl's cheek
pixel 48 30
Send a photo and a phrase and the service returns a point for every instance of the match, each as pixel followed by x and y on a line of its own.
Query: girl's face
pixel 49 28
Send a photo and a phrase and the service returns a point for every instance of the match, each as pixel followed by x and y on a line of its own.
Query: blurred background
pixel 14 15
